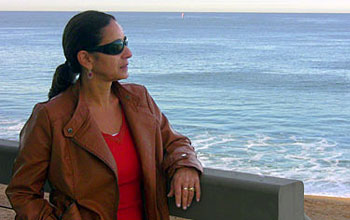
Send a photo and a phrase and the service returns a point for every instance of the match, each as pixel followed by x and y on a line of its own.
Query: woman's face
pixel 111 67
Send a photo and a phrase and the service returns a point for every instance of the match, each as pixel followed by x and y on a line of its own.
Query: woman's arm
pixel 180 163
pixel 25 190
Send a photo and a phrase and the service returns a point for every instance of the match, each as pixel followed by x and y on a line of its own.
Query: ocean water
pixel 261 93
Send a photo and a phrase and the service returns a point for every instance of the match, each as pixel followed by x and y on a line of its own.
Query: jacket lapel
pixel 142 126
pixel 85 132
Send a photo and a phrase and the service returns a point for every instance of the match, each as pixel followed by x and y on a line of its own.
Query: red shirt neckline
pixel 119 136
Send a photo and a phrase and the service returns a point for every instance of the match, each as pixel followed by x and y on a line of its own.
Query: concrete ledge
pixel 234 195
pixel 225 194
pixel 8 152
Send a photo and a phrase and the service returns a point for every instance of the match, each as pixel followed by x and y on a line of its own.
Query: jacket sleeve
pixel 178 151
pixel 29 173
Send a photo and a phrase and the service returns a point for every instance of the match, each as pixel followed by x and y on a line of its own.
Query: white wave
pixel 314 160
pixel 261 141
pixel 206 140
pixel 16 127
pixel 9 128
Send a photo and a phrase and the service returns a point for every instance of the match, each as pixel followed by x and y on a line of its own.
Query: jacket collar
pixel 126 97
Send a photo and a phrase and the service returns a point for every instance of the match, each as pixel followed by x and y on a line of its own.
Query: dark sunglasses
pixel 114 48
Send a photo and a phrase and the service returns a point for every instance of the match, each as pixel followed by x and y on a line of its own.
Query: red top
pixel 129 173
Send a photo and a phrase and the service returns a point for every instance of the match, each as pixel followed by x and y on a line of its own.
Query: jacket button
pixel 70 130
pixel 183 155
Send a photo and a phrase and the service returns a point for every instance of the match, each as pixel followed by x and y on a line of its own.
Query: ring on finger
pixel 185 188
pixel 191 189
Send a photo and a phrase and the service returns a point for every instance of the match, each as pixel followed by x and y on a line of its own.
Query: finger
pixel 190 195
pixel 171 192
pixel 177 187
pixel 197 186
pixel 184 197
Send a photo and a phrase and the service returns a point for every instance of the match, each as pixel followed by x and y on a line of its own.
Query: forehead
pixel 112 32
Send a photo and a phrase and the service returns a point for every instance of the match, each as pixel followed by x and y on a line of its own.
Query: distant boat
pixel 182 15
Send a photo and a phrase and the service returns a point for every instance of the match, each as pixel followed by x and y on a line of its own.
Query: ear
pixel 85 59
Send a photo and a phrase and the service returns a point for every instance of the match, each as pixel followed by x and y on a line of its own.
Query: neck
pixel 97 93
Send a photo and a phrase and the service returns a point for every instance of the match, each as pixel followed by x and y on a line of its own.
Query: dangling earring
pixel 90 74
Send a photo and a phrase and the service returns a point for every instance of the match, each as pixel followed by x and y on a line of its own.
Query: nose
pixel 127 52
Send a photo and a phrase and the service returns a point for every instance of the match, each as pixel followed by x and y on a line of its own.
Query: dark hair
pixel 81 32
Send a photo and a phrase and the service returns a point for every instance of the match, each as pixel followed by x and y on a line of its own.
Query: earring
pixel 90 75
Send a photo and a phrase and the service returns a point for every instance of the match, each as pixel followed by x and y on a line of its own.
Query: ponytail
pixel 62 79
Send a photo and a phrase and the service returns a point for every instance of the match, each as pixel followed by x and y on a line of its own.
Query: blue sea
pixel 261 93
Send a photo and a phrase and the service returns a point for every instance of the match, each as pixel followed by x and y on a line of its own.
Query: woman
pixel 105 148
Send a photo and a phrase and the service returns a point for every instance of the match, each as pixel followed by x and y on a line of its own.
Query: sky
pixel 313 6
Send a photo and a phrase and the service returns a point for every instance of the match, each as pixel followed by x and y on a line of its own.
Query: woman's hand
pixel 183 185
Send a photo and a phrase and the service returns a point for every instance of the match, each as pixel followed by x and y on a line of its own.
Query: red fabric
pixel 129 173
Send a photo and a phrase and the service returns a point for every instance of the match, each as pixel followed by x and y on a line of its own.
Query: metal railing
pixel 225 194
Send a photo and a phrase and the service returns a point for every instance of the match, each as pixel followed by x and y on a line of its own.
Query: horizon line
pixel 149 11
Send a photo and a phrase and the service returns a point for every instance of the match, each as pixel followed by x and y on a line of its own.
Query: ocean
pixel 261 93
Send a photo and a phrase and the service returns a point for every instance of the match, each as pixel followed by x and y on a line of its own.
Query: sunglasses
pixel 114 48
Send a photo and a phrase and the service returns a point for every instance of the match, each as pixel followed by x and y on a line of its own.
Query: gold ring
pixel 191 189
pixel 185 188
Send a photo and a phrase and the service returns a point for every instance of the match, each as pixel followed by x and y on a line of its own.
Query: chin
pixel 122 76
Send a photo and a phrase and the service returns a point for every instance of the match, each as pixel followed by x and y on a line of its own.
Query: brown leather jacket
pixel 62 143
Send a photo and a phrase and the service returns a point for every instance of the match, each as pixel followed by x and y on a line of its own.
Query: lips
pixel 124 66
